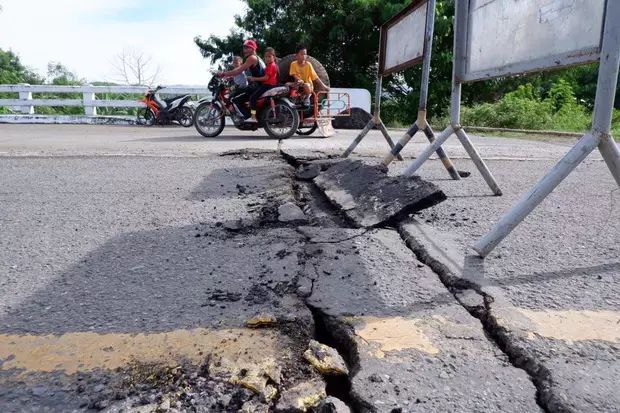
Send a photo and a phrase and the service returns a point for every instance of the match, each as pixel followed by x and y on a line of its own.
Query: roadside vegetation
pixel 13 71
pixel 344 36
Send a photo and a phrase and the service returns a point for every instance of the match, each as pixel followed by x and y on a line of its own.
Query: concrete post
pixel 25 95
pixel 89 103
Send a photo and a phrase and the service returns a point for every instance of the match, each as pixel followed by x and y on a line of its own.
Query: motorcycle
pixel 324 106
pixel 165 111
pixel 308 114
pixel 274 112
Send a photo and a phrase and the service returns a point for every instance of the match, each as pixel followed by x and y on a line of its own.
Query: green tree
pixel 61 75
pixel 13 71
pixel 58 74
pixel 342 34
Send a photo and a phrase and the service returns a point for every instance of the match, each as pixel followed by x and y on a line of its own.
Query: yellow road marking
pixel 574 325
pixel 86 351
pixel 395 334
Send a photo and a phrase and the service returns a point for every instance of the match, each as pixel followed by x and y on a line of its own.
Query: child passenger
pixel 268 81
pixel 240 80
pixel 304 74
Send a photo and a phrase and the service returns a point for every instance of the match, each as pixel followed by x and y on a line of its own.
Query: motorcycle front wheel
pixel 185 117
pixel 281 121
pixel 209 120
pixel 145 117
pixel 307 130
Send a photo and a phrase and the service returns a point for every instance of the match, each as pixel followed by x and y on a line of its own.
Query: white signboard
pixel 515 36
pixel 402 39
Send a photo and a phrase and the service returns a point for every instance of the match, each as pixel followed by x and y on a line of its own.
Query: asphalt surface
pixel 134 260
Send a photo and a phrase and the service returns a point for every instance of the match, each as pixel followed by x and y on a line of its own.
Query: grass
pixel 537 137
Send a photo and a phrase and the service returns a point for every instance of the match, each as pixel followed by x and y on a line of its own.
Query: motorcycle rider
pixel 256 68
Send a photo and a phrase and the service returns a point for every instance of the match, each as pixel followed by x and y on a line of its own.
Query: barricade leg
pixel 358 139
pixel 447 163
pixel 611 154
pixel 415 165
pixel 400 145
pixel 482 167
pixel 536 195
pixel 387 137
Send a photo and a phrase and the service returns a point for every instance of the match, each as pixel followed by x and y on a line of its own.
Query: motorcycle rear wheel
pixel 209 120
pixel 185 117
pixel 281 121
pixel 307 130
pixel 145 117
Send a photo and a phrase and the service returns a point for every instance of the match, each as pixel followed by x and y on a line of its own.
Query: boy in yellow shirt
pixel 303 73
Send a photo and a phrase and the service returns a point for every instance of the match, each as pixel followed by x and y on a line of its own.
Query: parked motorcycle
pixel 274 112
pixel 165 111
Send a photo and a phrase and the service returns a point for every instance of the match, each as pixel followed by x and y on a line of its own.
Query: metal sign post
pixel 374 122
pixel 496 38
pixel 455 112
pixel 395 56
pixel 599 137
pixel 421 123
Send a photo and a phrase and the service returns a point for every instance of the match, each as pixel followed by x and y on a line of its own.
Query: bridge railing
pixel 90 101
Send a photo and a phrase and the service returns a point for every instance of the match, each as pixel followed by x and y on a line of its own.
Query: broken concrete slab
pixel 369 197
pixel 261 320
pixel 325 359
pixel 187 302
pixel 332 404
pixel 302 397
pixel 289 212
pixel 308 172
pixel 573 350
pixel 297 157
pixel 384 309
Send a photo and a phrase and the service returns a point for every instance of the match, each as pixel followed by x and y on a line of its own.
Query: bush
pixel 571 117
pixel 615 124
pixel 511 112
pixel 525 109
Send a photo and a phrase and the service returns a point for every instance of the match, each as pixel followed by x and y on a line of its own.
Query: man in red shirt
pixel 268 81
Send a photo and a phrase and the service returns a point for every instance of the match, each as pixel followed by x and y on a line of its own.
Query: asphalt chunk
pixel 371 198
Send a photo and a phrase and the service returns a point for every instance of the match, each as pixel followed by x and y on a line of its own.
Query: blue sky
pixel 149 11
pixel 86 36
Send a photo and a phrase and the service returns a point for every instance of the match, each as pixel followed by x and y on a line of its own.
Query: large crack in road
pixel 414 335
pixel 339 332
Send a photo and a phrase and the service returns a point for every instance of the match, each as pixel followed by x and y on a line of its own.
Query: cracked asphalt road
pixel 132 260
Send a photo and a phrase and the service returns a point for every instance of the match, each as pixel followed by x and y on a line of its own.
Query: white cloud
pixel 86 35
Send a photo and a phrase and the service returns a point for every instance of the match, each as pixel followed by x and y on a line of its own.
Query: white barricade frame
pixel 541 24
pixel 588 50
pixel 402 39
pixel 397 52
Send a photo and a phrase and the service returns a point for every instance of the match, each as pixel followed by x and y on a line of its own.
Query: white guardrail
pixel 25 104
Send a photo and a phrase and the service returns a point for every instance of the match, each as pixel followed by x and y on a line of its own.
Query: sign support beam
pixel 599 137
pixel 421 124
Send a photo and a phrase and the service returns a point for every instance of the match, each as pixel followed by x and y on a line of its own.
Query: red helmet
pixel 251 44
